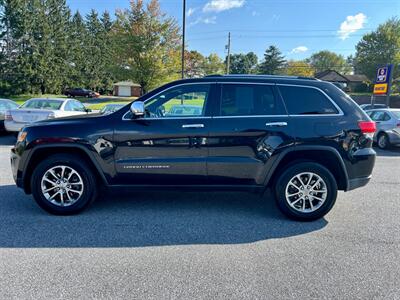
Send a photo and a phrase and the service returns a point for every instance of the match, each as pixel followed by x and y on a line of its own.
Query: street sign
pixel 382 80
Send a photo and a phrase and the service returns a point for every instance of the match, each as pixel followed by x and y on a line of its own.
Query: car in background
pixel 184 110
pixel 5 104
pixel 80 92
pixel 110 108
pixel 388 126
pixel 38 109
pixel 370 106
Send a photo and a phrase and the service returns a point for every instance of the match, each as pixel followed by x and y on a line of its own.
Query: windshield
pixel 43 104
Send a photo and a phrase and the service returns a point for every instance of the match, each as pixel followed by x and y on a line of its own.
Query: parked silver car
pixel 38 109
pixel 388 126
pixel 5 104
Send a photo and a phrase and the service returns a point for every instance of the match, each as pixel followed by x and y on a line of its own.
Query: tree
pixel 213 64
pixel 243 63
pixel 147 43
pixel 327 60
pixel 194 62
pixel 273 62
pixel 379 47
pixel 299 68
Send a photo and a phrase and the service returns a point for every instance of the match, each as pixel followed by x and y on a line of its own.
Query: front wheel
pixel 306 191
pixel 63 184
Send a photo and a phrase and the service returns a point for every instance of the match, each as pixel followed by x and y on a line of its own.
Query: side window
pixel 79 106
pixel 182 101
pixel 306 101
pixel 386 117
pixel 68 106
pixel 249 99
pixel 378 116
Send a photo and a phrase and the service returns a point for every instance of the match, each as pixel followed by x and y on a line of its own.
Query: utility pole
pixel 183 38
pixel 228 59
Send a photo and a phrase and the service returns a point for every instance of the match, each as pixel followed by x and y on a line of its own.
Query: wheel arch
pixel 326 156
pixel 40 152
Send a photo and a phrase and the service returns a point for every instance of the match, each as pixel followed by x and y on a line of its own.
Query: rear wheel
pixel 383 141
pixel 63 184
pixel 306 191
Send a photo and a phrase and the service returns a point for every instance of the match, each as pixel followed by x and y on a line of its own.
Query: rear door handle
pixel 276 124
pixel 193 126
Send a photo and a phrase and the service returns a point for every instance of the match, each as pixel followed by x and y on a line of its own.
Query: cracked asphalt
pixel 177 245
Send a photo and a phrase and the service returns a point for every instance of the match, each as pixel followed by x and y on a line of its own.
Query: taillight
pixel 368 128
pixel 8 116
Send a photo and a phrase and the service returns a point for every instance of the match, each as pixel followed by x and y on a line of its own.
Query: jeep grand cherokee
pixel 303 138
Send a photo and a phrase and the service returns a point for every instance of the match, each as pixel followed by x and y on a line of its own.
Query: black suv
pixel 303 138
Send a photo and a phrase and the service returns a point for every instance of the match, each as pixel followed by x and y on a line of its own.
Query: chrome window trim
pixel 250 116
pixel 340 112
pixel 167 89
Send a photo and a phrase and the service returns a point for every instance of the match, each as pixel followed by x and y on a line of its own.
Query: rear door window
pixel 306 101
pixel 249 99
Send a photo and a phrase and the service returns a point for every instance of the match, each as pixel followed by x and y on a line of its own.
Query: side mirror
pixel 137 109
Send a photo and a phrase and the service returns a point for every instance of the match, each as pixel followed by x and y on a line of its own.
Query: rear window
pixel 43 104
pixel 249 99
pixel 306 101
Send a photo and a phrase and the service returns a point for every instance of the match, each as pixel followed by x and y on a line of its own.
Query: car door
pixel 250 125
pixel 169 145
pixel 382 120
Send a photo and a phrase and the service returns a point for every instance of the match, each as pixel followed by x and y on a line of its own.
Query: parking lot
pixel 202 245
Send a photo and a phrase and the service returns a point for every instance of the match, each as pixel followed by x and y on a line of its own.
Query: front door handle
pixel 193 126
pixel 276 124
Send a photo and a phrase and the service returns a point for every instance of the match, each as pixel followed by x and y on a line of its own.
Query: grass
pixel 99 106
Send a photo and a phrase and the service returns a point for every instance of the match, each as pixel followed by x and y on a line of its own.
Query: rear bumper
pixel 358 182
pixel 14 126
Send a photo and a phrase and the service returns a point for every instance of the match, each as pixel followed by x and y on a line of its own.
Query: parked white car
pixel 38 109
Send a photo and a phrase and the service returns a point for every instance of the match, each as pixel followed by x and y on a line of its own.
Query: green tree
pixel 379 47
pixel 147 43
pixel 243 63
pixel 273 62
pixel 327 60
pixel 213 64
pixel 299 68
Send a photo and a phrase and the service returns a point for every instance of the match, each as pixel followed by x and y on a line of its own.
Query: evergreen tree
pixel 273 62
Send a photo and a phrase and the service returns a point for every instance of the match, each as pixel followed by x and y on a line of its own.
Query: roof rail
pixel 261 76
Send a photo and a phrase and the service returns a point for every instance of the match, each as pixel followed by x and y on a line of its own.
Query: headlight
pixel 21 136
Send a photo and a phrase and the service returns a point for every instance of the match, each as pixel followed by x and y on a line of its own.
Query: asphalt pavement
pixel 177 245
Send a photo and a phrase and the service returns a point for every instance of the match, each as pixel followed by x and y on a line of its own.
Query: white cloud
pixel 351 25
pixel 221 5
pixel 191 11
pixel 201 20
pixel 299 49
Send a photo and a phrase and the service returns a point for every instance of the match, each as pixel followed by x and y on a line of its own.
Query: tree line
pixel 45 48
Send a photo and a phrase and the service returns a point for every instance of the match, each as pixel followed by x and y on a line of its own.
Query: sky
pixel 297 27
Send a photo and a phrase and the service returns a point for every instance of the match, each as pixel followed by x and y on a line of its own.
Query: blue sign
pixel 383 74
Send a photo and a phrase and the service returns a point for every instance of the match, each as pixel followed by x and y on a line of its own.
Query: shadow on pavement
pixel 393 151
pixel 7 139
pixel 148 219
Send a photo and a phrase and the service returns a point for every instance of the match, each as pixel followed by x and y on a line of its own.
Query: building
pixel 351 82
pixel 127 89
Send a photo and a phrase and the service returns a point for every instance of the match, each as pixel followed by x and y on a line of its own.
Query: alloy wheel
pixel 62 185
pixel 306 192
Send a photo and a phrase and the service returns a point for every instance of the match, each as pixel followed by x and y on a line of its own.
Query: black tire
pixel 298 168
pixel 383 141
pixel 89 192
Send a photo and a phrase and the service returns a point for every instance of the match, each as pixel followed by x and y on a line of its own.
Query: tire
pixel 314 203
pixel 81 194
pixel 383 141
